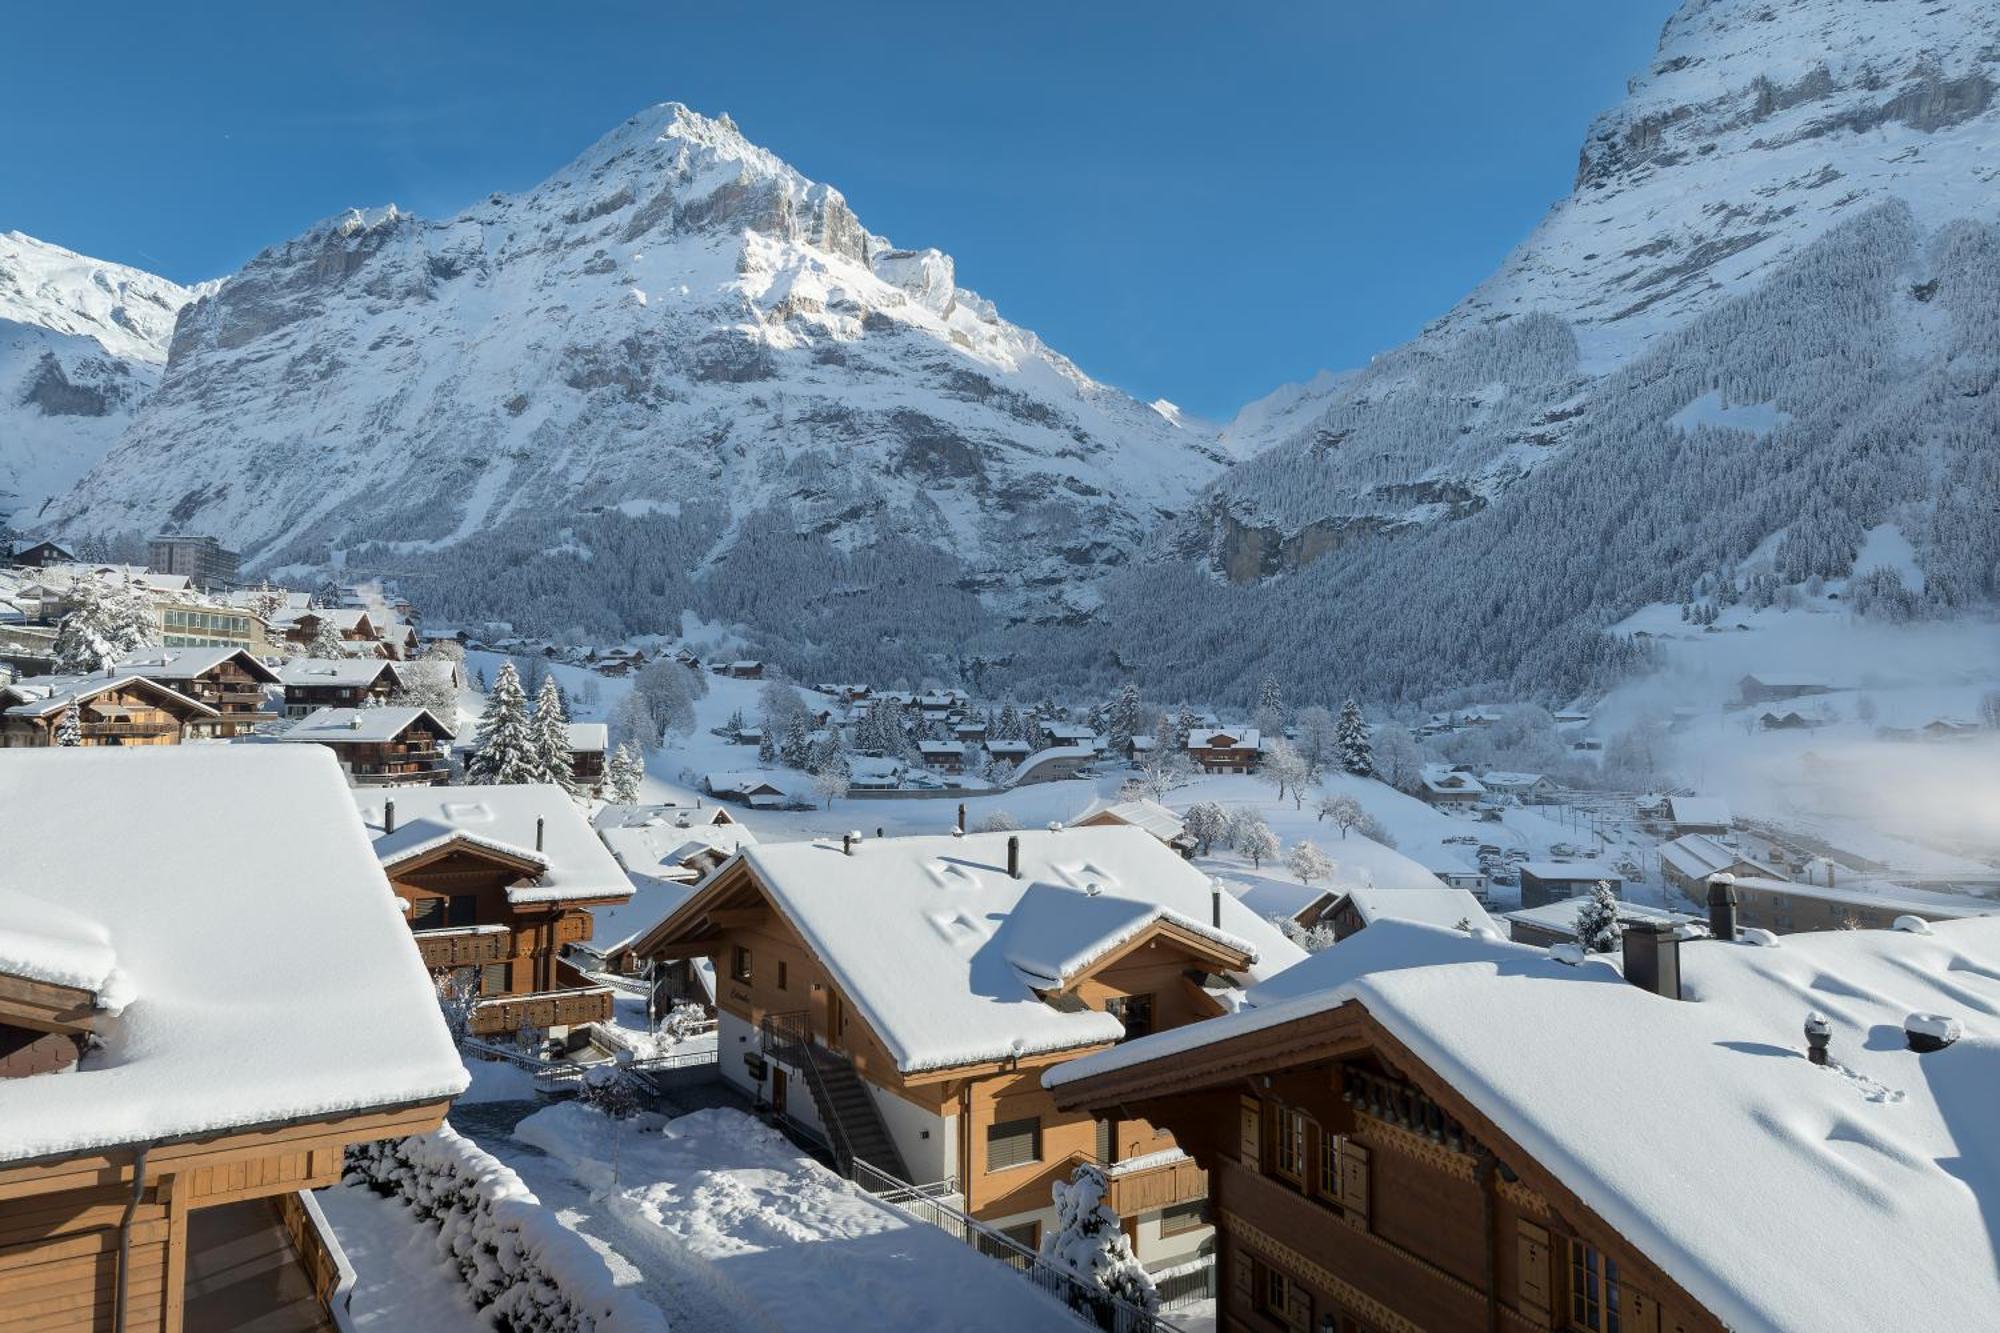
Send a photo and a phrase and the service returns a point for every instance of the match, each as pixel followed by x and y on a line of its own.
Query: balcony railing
pixel 131 728
pixel 464 946
pixel 1144 1188
pixel 543 1009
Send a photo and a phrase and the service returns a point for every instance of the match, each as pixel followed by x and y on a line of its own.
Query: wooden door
pixel 836 1018
pixel 778 1089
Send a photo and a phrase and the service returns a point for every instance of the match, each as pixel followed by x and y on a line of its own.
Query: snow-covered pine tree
pixel 1597 927
pixel 1088 1244
pixel 1270 697
pixel 1123 718
pixel 626 769
pixel 1185 722
pixel 550 731
pixel 326 640
pixel 796 747
pixel 108 621
pixel 504 748
pixel 1009 726
pixel 767 747
pixel 69 731
pixel 1351 738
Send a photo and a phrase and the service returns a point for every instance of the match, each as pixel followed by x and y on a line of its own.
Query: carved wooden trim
pixel 1458 1165
pixel 1370 1309
pixel 1523 1198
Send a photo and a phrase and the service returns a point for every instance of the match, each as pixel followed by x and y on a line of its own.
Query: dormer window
pixel 1134 1011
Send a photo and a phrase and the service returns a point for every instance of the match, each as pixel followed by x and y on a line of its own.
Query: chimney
pixel 847 844
pixel 1930 1032
pixel 1653 957
pixel 878 831
pixel 1819 1036
pixel 1215 903
pixel 1722 906
pixel 1013 857
pixel 389 815
pixel 538 833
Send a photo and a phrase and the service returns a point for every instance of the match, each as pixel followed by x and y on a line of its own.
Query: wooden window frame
pixel 740 963
pixel 784 976
pixel 1595 1290
pixel 1288 1127
pixel 1033 1133
pixel 1120 1007
pixel 1177 1219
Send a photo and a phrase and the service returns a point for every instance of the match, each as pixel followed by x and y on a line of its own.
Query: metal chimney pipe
pixel 389 815
pixel 847 844
pixel 1014 857
pixel 538 833
pixel 1215 903
pixel 1722 906
pixel 961 816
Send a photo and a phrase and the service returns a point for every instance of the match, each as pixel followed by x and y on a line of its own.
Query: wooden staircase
pixel 854 1125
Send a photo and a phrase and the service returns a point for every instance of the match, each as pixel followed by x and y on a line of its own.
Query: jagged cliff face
pixel 1760 127
pixel 81 344
pixel 677 321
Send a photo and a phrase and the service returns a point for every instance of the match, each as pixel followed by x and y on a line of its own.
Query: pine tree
pixel 549 732
pixel 1009 726
pixel 1088 1244
pixel 626 770
pixel 69 731
pixel 1123 718
pixel 1351 740
pixel 326 640
pixel 504 750
pixel 796 747
pixel 1597 927
pixel 108 621
pixel 1184 723
pixel 1271 698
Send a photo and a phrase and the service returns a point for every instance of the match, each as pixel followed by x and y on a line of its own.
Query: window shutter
pixel 1298 1307
pixel 493 979
pixel 1533 1285
pixel 1354 1179
pixel 1242 1276
pixel 1012 1143
pixel 1250 1153
pixel 424 912
pixel 1107 1140
pixel 1642 1312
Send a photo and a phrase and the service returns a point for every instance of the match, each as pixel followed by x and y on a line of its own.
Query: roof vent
pixel 1819 1036
pixel 539 822
pixel 1722 906
pixel 389 815
pixel 1055 826
pixel 1930 1032
pixel 1013 856
pixel 1092 889
pixel 1911 925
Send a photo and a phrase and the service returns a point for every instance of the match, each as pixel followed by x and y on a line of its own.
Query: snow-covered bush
pixel 1310 938
pixel 523 1268
pixel 1087 1244
pixel 1597 926
pixel 684 1020
pixel 999 821
pixel 612 1088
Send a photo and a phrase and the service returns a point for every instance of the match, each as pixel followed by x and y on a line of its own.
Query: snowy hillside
pixel 1767 307
pixel 81 344
pixel 677 330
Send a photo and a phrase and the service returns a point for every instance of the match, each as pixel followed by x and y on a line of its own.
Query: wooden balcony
pixel 131 728
pixel 544 1009
pixel 464 946
pixel 1148 1188
pixel 320 1256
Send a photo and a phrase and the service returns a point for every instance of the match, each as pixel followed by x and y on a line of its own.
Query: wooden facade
pixel 234 688
pixel 1226 752
pixel 765 968
pixel 1354 1189
pixel 127 711
pixel 464 922
pixel 304 697
pixel 415 756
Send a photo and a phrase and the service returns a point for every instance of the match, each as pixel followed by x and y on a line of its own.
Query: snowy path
pixel 400 1281
pixel 732 1229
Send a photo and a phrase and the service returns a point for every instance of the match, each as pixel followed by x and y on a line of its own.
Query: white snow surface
pixel 508 818
pixel 924 933
pixel 1892 1157
pixel 214 1041
pixel 359 725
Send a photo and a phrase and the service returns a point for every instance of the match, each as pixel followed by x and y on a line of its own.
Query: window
pixel 493 979
pixel 424 912
pixel 1593 1290
pixel 1279 1298
pixel 739 963
pixel 1134 1011
pixel 1011 1143
pixel 783 975
pixel 1330 1146
pixel 1288 1144
pixel 1182 1217
pixel 464 910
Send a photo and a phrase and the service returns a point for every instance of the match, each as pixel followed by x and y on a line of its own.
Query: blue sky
pixel 1195 201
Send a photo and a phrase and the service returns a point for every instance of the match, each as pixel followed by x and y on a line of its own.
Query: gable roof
pixel 570 863
pixel 1698 855
pixel 1837 1197
pixel 200 1046
pixel 348 671
pixel 173 664
pixel 1244 738
pixel 40 696
pixel 1698 810
pixel 1443 907
pixel 1142 813
pixel 589 737
pixel 350 726
pixel 944 954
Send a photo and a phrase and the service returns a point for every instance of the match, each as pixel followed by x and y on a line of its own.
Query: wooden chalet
pixel 588 743
pixel 1544 882
pixel 1140 813
pixel 496 882
pixel 353 623
pixel 900 997
pixel 1399 1135
pixel 110 710
pixel 229 680
pixel 164 1116
pixel 313 683
pixel 380 747
pixel 41 555
pixel 1225 750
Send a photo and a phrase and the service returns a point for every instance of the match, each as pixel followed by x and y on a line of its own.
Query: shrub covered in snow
pixel 527 1271
pixel 1088 1245
pixel 1597 927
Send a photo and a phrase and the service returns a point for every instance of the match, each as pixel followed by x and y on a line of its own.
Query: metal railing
pixel 929 1204
pixel 789 1037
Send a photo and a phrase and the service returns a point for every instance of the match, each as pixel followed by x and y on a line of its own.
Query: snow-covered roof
pixel 1438 907
pixel 743 783
pixel 1439 779
pixel 1863 1194
pixel 942 748
pixel 1698 810
pixel 1503 781
pixel 1698 855
pixel 348 671
pixel 1570 870
pixel 39 696
pixel 1202 738
pixel 44 941
pixel 211 1041
pixel 1561 915
pixel 1875 893
pixel 174 664
pixel 661 846
pixel 349 726
pixel 1007 747
pixel 1143 813
pixel 1069 731
pixel 574 863
pixel 944 953
pixel 589 736
pixel 1269 899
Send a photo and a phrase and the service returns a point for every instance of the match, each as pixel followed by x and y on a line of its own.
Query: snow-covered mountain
pixel 82 342
pixel 677 326
pixel 1767 312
